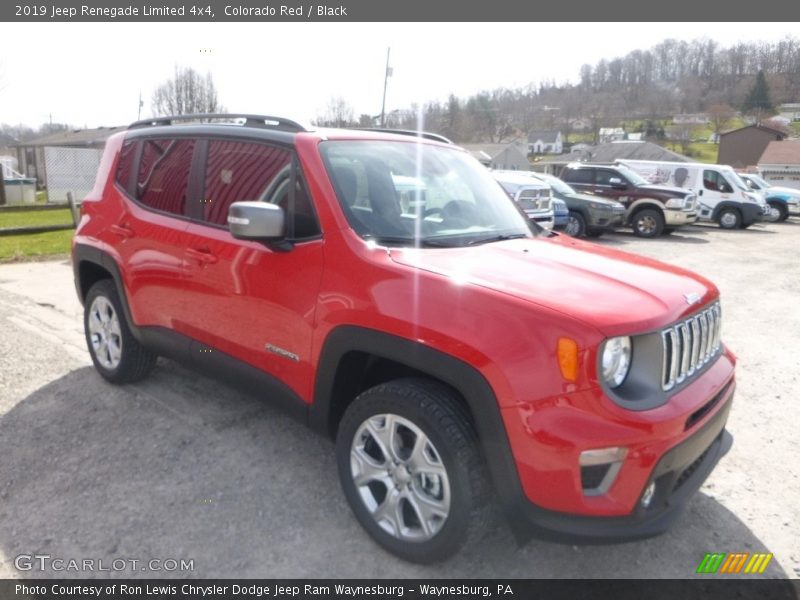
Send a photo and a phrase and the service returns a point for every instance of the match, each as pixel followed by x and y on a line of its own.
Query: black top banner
pixel 710 11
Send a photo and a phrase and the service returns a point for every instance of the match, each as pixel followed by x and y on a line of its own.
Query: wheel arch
pixel 90 265
pixel 355 358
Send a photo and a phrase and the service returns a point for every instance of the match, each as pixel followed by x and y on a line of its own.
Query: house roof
pixel 765 128
pixel 786 152
pixel 608 153
pixel 491 150
pixel 547 137
pixel 76 137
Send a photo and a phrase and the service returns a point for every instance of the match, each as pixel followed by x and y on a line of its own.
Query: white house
pixel 545 142
pixel 611 134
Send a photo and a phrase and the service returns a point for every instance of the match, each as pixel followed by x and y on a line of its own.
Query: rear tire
pixel 116 354
pixel 729 218
pixel 410 468
pixel 648 223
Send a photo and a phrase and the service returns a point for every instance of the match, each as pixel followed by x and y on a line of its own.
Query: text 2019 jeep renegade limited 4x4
pixel 455 355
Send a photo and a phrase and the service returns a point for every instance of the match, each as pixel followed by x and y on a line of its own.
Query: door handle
pixel 202 255
pixel 123 230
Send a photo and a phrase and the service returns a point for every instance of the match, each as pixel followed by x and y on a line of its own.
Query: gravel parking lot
pixel 182 467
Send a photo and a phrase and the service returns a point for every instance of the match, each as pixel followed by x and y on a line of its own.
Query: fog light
pixel 649 492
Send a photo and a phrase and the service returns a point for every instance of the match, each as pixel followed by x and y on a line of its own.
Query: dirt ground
pixel 182 467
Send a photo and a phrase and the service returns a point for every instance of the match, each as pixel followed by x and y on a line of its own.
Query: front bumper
pixel 678 475
pixel 752 212
pixel 605 219
pixel 675 218
pixel 794 209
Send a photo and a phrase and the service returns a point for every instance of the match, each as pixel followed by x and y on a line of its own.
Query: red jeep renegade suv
pixel 455 355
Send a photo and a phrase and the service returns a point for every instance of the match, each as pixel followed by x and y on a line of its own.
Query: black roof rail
pixel 280 123
pixel 423 134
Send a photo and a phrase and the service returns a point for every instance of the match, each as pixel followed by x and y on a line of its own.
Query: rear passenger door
pixel 150 230
pixel 249 301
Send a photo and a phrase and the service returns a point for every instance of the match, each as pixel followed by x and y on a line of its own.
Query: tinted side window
pixel 579 176
pixel 125 164
pixel 603 177
pixel 164 174
pixel 241 171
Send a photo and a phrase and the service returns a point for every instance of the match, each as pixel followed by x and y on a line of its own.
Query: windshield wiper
pixel 407 241
pixel 497 238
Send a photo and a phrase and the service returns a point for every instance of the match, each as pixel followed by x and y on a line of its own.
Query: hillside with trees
pixel 645 86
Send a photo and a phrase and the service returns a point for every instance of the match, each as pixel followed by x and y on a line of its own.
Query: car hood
pixel 794 193
pixel 665 189
pixel 615 292
pixel 596 199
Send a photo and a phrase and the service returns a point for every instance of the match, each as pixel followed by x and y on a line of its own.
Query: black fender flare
pixel 82 253
pixel 464 378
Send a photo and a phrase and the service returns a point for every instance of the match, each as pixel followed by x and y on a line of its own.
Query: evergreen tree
pixel 758 100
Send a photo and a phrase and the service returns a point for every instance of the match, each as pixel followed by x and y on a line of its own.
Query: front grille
pixel 537 199
pixel 690 344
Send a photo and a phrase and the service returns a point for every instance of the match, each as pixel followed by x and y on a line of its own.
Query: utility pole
pixel 139 116
pixel 385 82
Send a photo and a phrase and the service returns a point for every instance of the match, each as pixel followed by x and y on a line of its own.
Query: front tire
pixel 411 470
pixel 783 210
pixel 648 223
pixel 116 354
pixel 729 218
pixel 576 224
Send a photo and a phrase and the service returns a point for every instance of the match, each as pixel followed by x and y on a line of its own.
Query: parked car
pixel 455 355
pixel 650 209
pixel 722 197
pixel 588 215
pixel 533 196
pixel 785 201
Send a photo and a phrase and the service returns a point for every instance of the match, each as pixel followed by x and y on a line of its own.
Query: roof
pixel 76 137
pixel 608 153
pixel 545 136
pixel 491 150
pixel 781 134
pixel 786 152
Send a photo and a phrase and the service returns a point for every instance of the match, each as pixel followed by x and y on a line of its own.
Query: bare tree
pixel 186 93
pixel 338 114
pixel 720 116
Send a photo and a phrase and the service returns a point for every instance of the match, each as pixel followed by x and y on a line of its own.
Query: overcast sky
pixel 88 74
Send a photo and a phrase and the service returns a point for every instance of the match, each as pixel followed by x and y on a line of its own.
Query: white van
pixel 722 196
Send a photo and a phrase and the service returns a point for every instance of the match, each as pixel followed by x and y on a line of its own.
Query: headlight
pixel 616 360
pixel 676 202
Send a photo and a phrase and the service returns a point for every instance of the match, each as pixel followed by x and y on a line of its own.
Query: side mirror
pixel 617 183
pixel 258 221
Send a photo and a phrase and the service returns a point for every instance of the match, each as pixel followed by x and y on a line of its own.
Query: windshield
pixel 760 183
pixel 632 176
pixel 409 193
pixel 554 182
pixel 733 176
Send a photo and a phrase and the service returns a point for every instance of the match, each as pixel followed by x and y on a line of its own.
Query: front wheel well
pixel 359 371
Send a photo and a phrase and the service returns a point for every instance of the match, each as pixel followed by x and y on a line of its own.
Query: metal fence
pixel 70 169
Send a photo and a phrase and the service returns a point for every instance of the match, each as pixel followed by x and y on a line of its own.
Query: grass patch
pixel 33 246
pixel 703 152
pixel 35 218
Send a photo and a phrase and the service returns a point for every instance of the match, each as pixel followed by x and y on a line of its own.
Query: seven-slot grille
pixel 690 344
